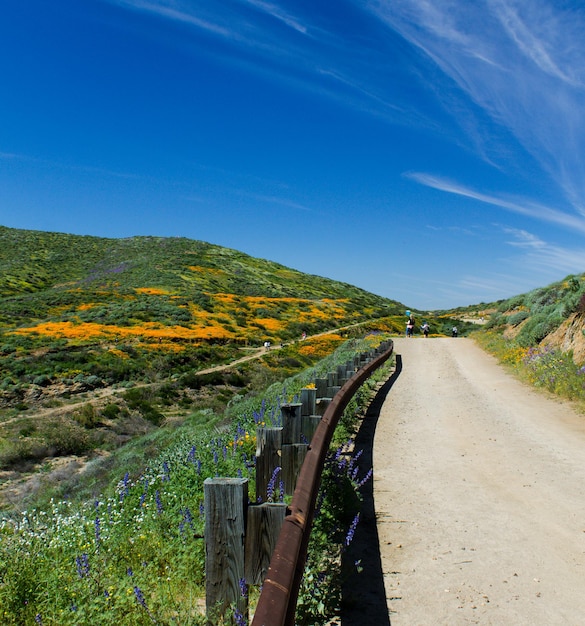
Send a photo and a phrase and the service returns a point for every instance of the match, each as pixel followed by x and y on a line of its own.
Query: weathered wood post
pixel 293 455
pixel 309 419
pixel 268 458
pixel 321 387
pixel 293 452
pixel 332 385
pixel 225 501
pixel 264 524
pixel 308 399
pixel 322 404
pixel 309 425
pixel 291 422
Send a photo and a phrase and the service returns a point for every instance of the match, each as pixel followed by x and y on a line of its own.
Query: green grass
pixel 545 368
pixel 133 553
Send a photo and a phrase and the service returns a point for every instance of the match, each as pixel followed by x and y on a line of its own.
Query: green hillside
pixel 105 340
pixel 121 297
pixel 539 335
pixel 40 271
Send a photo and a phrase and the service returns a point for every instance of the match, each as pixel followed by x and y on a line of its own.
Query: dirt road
pixel 479 495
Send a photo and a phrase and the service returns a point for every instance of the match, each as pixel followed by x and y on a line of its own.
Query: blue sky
pixel 429 151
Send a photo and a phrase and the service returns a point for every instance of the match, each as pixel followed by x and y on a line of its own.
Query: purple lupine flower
pixel 355 458
pixel 191 456
pixel 39 619
pixel 281 491
pixel 271 484
pixel 166 472
pixel 243 588
pixel 351 531
pixel 240 618
pixel 187 519
pixel 140 596
pixel 82 565
pixel 124 489
pixel 199 464
pixel 97 530
pixel 365 479
pixel 201 510
pixel 239 472
pixel 159 506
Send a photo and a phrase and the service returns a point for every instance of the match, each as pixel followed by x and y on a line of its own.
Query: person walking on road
pixel 410 326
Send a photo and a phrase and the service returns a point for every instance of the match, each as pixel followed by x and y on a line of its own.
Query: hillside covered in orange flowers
pixel 163 291
pixel 117 310
pixel 105 340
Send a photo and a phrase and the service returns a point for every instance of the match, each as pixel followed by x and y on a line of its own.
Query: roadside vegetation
pixel 540 336
pixel 134 553
pixel 103 341
pixel 131 370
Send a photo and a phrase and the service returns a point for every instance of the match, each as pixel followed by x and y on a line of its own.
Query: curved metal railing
pixel 277 603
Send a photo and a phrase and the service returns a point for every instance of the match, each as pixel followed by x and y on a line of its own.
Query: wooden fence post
pixel 291 422
pixel 309 425
pixel 322 404
pixel 264 524
pixel 293 456
pixel 321 387
pixel 268 451
pixel 308 399
pixel 225 501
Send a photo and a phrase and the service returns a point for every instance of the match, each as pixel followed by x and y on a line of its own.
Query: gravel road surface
pixel 478 497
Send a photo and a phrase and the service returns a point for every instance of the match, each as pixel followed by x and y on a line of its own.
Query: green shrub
pixel 537 327
pixel 63 437
pixel 516 318
pixel 87 416
pixel 42 380
pixel 111 411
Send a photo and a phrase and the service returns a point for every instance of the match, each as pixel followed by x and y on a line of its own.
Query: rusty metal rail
pixel 277 603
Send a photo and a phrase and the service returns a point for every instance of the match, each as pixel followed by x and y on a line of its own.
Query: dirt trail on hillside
pixel 478 508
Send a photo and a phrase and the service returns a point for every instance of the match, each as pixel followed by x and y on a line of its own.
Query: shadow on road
pixel 364 596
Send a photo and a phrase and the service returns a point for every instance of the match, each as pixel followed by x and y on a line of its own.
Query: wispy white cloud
pixel 522 62
pixel 276 12
pixel 11 156
pixel 277 200
pixel 173 11
pixel 50 164
pixel 540 255
pixel 517 205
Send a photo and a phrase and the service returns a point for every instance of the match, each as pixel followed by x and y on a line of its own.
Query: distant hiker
pixel 425 328
pixel 410 327
pixel 454 331
pixel 267 345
